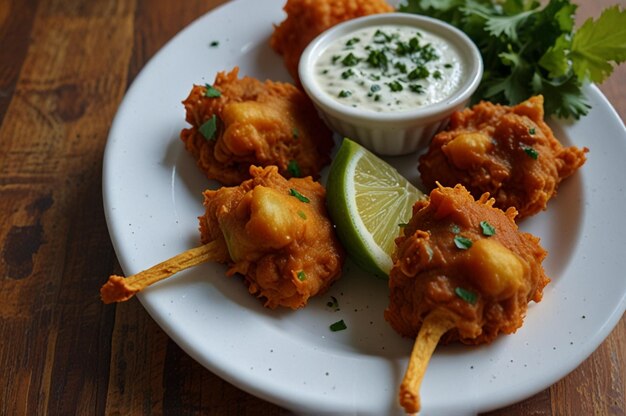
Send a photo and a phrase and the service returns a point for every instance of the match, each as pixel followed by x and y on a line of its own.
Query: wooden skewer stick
pixel 437 323
pixel 119 289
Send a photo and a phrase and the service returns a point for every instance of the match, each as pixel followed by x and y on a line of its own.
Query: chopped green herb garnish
pixel 344 93
pixel 350 60
pixel 211 92
pixel 377 59
pixel 462 242
pixel 302 215
pixel 455 228
pixel 298 195
pixel 395 86
pixel 417 88
pixel 531 131
pixel 400 67
pixel 301 276
pixel 487 228
pixel 294 168
pixel 295 132
pixel 530 151
pixel 466 295
pixel 402 224
pixel 347 73
pixel 335 58
pixel 437 74
pixel 375 88
pixel 338 326
pixel 214 44
pixel 352 41
pixel 420 72
pixel 381 37
pixel 209 128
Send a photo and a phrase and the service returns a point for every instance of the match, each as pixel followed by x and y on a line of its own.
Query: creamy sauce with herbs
pixel 390 68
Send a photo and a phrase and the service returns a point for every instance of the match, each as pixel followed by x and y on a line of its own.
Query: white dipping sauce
pixel 390 68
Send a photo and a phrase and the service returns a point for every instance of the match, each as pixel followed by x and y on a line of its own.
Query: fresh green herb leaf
pixel 420 72
pixel 530 151
pixel 377 59
pixel 531 131
pixel 338 326
pixel 344 93
pixel 298 195
pixel 532 47
pixel 599 45
pixel 209 128
pixel 347 73
pixel 466 295
pixel 455 228
pixel 395 86
pixel 301 275
pixel 352 41
pixel 462 242
pixel 375 88
pixel 302 215
pixel 417 88
pixel 214 44
pixel 211 92
pixel 487 228
pixel 350 60
pixel 294 169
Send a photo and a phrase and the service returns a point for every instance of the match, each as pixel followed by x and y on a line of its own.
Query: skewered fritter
pixel 308 18
pixel 239 122
pixel 509 152
pixel 278 236
pixel 462 271
pixel 273 231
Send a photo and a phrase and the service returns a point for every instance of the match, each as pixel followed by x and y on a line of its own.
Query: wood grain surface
pixel 64 68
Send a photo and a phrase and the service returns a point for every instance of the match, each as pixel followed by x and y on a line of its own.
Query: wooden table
pixel 64 68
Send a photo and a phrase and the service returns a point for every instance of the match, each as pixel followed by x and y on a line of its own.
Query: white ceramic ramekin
pixel 391 133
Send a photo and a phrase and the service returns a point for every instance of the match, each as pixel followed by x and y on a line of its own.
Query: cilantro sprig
pixel 530 49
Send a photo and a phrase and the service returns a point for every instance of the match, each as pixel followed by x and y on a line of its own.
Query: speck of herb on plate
pixel 466 295
pixel 338 326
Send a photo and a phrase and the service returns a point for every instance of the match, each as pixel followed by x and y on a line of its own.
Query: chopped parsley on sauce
pixel 298 195
pixel 416 68
pixel 466 295
pixel 338 326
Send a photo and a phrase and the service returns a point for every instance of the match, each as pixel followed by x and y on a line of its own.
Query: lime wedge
pixel 369 201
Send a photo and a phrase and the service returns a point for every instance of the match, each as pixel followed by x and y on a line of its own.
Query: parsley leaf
pixel 531 47
pixel 209 128
pixel 598 44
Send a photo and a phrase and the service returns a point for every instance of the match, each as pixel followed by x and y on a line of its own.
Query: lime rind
pixel 367 217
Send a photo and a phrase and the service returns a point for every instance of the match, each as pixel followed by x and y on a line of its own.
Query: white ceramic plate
pixel 152 196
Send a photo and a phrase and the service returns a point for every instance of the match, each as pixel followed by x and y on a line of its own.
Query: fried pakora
pixel 462 272
pixel 273 231
pixel 239 122
pixel 278 236
pixel 509 152
pixel 308 18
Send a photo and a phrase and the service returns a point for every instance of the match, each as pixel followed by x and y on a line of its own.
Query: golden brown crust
pixel 284 260
pixel 507 171
pixel 308 18
pixel 258 123
pixel 429 267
